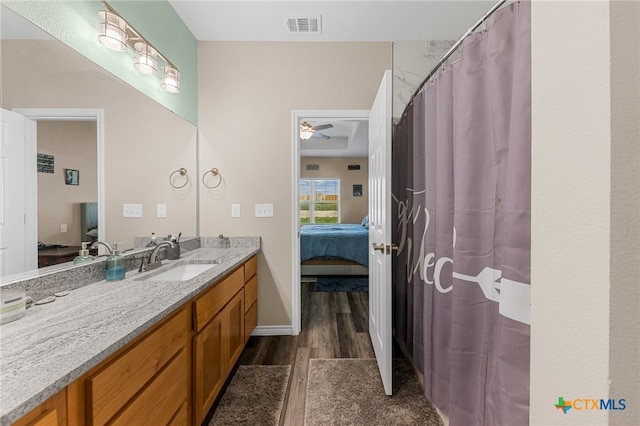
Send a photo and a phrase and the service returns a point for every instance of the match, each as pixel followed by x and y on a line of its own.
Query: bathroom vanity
pixel 143 350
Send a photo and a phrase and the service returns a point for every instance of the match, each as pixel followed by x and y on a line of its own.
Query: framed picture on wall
pixel 357 190
pixel 71 177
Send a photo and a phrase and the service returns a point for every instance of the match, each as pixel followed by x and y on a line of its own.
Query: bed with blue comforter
pixel 336 241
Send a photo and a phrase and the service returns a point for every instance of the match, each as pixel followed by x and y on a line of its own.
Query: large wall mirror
pixel 144 143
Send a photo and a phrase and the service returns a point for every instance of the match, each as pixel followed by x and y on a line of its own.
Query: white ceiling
pixel 356 20
pixel 347 138
pixel 359 20
pixel 242 20
pixel 385 21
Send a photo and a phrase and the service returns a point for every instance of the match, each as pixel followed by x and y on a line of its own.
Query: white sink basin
pixel 182 272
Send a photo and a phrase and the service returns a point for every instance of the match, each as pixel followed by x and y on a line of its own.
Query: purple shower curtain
pixel 462 190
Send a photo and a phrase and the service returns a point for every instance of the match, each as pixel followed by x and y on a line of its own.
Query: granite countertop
pixel 56 343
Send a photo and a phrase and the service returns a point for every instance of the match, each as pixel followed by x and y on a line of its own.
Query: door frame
pixel 296 117
pixel 78 114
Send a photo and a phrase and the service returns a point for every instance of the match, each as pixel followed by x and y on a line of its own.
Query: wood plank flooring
pixel 334 325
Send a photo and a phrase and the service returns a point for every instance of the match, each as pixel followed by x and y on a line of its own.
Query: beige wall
pixel 144 142
pixel 624 300
pixel 73 145
pixel 585 208
pixel 352 209
pixel 246 94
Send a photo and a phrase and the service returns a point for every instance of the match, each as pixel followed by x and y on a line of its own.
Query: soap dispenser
pixel 115 265
pixel 153 241
pixel 83 255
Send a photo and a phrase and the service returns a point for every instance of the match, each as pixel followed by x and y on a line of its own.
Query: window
pixel 319 201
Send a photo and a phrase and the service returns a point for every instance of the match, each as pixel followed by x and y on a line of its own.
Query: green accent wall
pixel 75 24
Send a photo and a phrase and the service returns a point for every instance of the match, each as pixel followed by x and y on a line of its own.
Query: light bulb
pixel 146 58
pixel 112 31
pixel 171 80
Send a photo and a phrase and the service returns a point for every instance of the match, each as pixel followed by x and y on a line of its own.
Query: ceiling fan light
pixel 306 131
pixel 146 58
pixel 306 134
pixel 112 31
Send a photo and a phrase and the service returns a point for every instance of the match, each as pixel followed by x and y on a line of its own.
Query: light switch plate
pixel 264 210
pixel 235 210
pixel 63 227
pixel 132 210
pixel 162 210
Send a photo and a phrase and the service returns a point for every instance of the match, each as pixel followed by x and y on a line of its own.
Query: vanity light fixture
pixel 112 31
pixel 171 79
pixel 116 34
pixel 146 58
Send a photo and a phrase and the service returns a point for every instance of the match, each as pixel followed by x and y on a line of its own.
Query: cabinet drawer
pixel 250 268
pixel 113 386
pixel 52 412
pixel 160 401
pixel 210 303
pixel 250 292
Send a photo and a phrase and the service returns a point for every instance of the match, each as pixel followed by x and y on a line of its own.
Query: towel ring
pixel 214 172
pixel 183 172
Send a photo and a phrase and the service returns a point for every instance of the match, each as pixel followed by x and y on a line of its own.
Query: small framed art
pixel 71 177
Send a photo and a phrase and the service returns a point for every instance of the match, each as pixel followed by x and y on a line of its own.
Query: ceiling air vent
pixel 304 25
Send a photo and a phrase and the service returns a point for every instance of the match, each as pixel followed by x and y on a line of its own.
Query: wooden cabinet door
pixel 209 366
pixel 250 320
pixel 217 347
pixel 234 328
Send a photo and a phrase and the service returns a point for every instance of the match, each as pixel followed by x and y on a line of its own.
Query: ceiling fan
pixel 307 131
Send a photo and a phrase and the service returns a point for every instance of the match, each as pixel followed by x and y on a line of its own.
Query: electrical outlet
pixel 132 210
pixel 264 210
pixel 162 210
pixel 235 210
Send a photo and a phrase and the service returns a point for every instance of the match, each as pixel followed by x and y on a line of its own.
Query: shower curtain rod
pixel 453 49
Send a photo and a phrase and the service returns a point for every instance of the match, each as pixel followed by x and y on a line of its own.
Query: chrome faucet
pixel 153 261
pixel 107 245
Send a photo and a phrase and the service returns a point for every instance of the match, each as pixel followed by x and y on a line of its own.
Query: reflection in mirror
pixel 68 207
pixel 143 143
pixel 73 145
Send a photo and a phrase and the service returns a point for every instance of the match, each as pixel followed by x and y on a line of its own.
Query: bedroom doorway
pixel 73 138
pixel 330 187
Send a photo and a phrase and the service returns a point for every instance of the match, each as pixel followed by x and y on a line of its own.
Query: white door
pixel 380 229
pixel 18 237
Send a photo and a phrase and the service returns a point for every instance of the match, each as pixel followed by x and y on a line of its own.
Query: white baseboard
pixel 273 330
